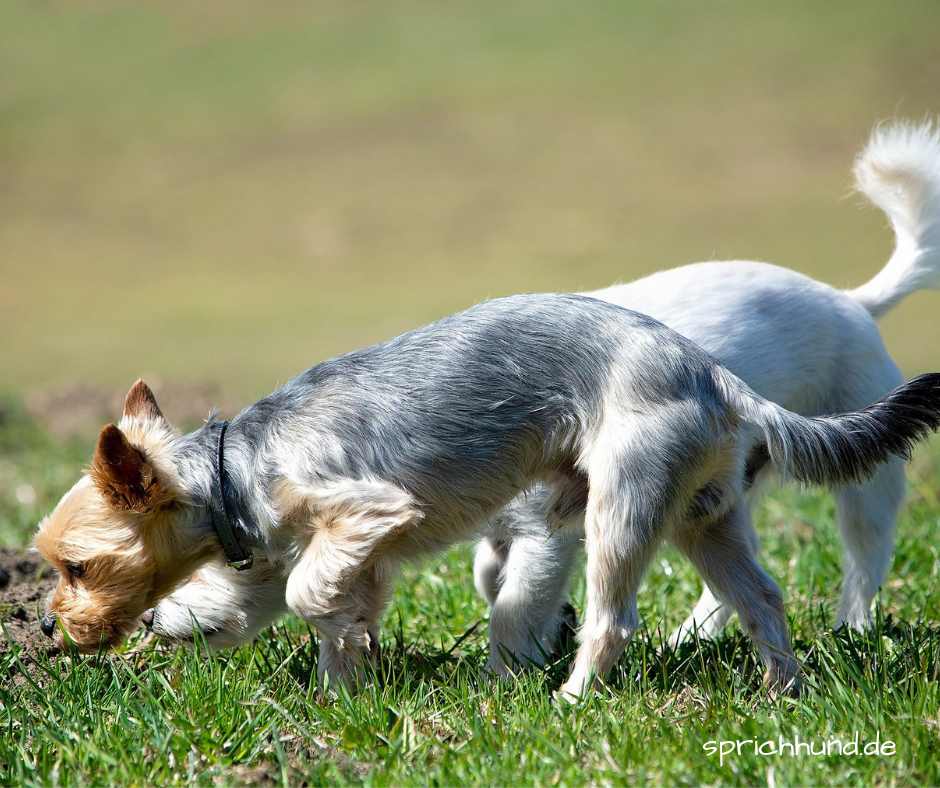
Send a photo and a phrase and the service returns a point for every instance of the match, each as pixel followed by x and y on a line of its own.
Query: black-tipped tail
pixel 847 447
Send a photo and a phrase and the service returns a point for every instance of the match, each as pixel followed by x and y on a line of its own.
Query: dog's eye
pixel 75 569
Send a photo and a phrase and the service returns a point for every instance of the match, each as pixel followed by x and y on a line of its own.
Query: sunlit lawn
pixel 231 192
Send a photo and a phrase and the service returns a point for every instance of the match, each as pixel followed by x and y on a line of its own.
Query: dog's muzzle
pixel 47 625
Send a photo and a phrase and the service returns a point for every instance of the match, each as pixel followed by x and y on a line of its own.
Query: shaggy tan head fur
pixel 115 537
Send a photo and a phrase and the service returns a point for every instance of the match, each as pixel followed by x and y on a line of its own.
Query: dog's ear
pixel 141 404
pixel 122 473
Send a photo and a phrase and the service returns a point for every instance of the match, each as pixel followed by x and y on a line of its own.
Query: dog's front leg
pixel 351 634
pixel 341 581
pixel 346 613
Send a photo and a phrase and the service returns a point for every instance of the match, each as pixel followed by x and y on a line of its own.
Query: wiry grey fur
pixel 381 455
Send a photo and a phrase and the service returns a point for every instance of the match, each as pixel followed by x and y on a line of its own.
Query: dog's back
pixel 801 343
pixel 508 389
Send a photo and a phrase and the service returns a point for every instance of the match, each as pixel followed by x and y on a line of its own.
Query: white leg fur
pixel 526 620
pixel 488 565
pixel 867 517
pixel 706 621
pixel 337 584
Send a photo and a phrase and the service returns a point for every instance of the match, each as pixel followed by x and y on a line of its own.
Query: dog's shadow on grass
pixel 397 663
pixel 647 664
pixel 651 665
pixel 891 654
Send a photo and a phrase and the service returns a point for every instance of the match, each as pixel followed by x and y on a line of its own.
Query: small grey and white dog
pixel 379 456
pixel 798 342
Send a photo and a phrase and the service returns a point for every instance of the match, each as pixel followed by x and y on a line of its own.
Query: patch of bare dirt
pixel 25 583
pixel 80 409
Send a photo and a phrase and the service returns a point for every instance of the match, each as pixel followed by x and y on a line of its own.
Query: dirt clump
pixel 29 582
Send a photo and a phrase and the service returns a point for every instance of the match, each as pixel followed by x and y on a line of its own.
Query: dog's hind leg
pixel 706 621
pixel 723 552
pixel 529 609
pixel 867 516
pixel 710 615
pixel 523 571
pixel 489 564
pixel 621 537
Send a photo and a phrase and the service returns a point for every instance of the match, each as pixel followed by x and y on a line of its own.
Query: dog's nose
pixel 147 619
pixel 47 625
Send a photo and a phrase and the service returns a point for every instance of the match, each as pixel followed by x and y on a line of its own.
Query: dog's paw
pixel 783 684
pixel 579 688
pixel 575 697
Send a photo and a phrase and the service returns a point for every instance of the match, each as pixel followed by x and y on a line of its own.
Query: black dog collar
pixel 222 505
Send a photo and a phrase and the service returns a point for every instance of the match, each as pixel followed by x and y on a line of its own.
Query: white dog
pixel 803 344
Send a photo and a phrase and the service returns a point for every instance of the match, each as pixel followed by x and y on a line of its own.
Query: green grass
pixel 232 191
pixel 429 716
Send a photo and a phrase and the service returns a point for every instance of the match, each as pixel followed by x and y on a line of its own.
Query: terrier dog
pixel 381 455
pixel 800 343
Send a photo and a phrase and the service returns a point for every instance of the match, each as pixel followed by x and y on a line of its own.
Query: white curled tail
pixel 899 171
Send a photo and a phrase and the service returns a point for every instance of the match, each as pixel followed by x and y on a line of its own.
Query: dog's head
pixel 115 537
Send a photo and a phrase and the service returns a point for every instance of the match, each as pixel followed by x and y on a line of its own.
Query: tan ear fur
pixel 141 403
pixel 122 473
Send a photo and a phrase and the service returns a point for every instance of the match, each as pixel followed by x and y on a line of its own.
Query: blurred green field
pixel 233 191
pixel 229 192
